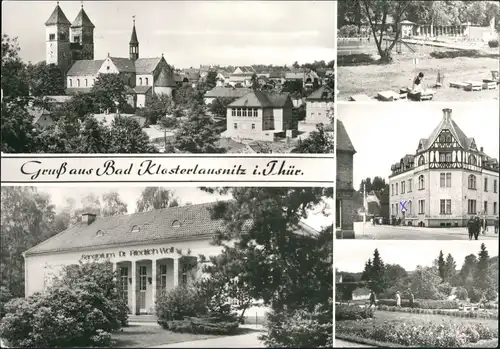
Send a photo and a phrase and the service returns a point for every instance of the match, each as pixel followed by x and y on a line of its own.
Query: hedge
pixel 203 325
pixel 455 313
pixel 352 312
pixel 422 303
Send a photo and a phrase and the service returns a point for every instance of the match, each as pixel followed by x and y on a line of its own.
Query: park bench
pixel 360 98
pixel 473 86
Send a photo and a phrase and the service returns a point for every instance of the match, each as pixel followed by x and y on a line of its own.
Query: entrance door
pixel 143 277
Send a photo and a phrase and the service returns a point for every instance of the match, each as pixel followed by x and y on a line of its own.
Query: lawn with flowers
pixel 423 330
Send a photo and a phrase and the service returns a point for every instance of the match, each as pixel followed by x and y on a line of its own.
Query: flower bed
pixel 422 303
pixel 352 312
pixel 456 313
pixel 422 335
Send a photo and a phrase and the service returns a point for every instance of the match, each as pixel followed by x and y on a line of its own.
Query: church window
pixel 52 36
pixel 78 82
pixel 70 83
pixel 86 83
pixel 472 182
pixel 421 160
pixel 140 81
pixel 146 81
pixel 421 182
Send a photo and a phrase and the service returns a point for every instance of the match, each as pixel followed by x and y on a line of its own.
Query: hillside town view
pixel 76 102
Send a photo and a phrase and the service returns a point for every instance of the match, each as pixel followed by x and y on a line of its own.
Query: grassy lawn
pixel 144 336
pixel 355 330
pixel 371 78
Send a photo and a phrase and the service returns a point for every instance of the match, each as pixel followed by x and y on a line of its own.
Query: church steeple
pixel 134 44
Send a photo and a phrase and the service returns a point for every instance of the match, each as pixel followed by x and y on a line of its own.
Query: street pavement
pixel 339 343
pixel 249 340
pixel 388 232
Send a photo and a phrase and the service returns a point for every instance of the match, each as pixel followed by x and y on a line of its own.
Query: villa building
pixel 261 116
pixel 447 180
pixel 344 201
pixel 151 251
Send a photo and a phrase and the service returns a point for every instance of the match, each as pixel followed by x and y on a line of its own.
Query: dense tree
pixel 113 205
pixel 482 278
pixel 450 269
pixel 367 272
pixel 94 137
pixel 27 218
pixel 47 80
pixel 160 107
pixel 395 276
pixel 346 288
pixel 211 79
pixel 378 284
pixel 320 141
pixel 126 136
pixel 198 134
pixel 18 132
pixel 108 90
pixel 218 107
pixel 441 265
pixel 425 283
pixel 15 80
pixel 299 114
pixel 255 82
pixel 155 198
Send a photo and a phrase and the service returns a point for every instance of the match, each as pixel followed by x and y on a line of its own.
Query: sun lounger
pixel 473 86
pixel 360 98
pixel 388 96
pixel 458 84
pixel 489 84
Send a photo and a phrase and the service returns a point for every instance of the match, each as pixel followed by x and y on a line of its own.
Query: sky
pixel 316 218
pixel 189 33
pixel 383 133
pixel 350 255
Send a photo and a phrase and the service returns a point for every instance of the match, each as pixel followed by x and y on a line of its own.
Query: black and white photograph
pixel 391 50
pixel 417 173
pixel 430 294
pixel 170 77
pixel 161 267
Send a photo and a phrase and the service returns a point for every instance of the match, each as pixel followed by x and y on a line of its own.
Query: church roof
pixel 165 79
pixel 343 141
pixel 85 67
pixel 82 20
pixel 146 65
pixel 133 38
pixel 124 65
pixel 57 17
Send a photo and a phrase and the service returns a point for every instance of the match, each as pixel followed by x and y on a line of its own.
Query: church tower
pixel 134 45
pixel 57 40
pixel 82 37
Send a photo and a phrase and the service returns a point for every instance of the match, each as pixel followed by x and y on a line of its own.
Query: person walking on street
pixel 412 298
pixel 398 300
pixel 373 299
pixel 485 224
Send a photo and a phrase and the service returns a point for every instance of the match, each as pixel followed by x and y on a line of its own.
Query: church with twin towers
pixel 71 47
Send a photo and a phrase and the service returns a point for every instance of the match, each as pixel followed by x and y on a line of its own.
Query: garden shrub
pixel 300 329
pixel 177 304
pixel 203 325
pixel 352 312
pixel 493 43
pixel 5 297
pixel 348 31
pixel 455 313
pixel 80 310
pixel 422 303
pixel 462 293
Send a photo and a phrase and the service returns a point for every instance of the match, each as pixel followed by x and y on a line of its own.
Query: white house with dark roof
pixel 144 77
pixel 319 105
pixel 225 92
pixel 263 116
pixel 151 251
pixel 445 181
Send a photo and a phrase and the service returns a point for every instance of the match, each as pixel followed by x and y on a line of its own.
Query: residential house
pixel 309 78
pixel 243 76
pixel 42 118
pixel 261 116
pixel 319 104
pixel 225 92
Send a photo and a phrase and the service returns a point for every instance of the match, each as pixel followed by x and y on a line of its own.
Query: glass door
pixel 143 278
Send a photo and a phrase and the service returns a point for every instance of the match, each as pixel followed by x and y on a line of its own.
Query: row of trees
pixel 476 280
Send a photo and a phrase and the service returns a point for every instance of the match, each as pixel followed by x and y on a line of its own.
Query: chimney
pixel 88 218
pixel 447 113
